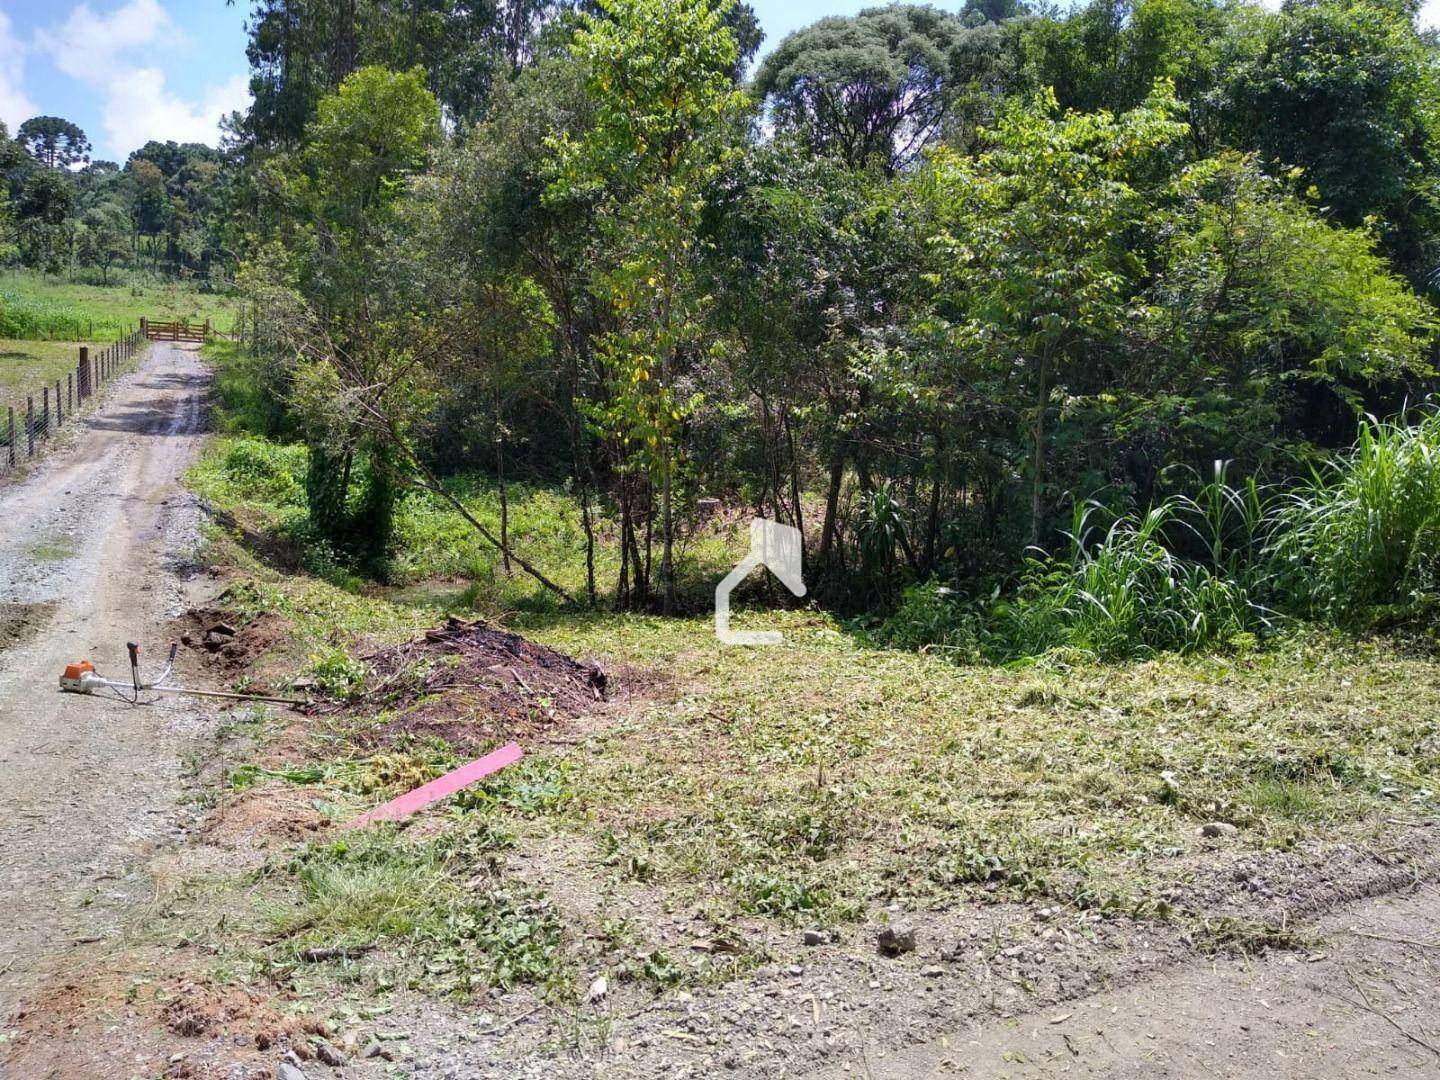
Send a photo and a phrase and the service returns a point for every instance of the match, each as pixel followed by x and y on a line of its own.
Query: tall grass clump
pixel 1123 594
pixel 1126 592
pixel 1360 542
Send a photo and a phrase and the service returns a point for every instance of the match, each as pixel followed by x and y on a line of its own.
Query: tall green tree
pixel 43 219
pixel 1348 92
pixel 54 142
pixel 351 320
pixel 660 76
pixel 873 87
pixel 1035 252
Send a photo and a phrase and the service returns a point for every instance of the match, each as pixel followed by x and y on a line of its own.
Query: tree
pixel 366 140
pixel 1256 287
pixel 54 142
pixel 150 206
pixel 302 50
pixel 661 78
pixel 1034 248
pixel 43 219
pixel 10 158
pixel 1348 93
pixel 509 333
pixel 869 87
pixel 818 274
pixel 104 238
pixel 480 217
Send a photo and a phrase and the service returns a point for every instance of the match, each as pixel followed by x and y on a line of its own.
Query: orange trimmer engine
pixel 82 678
pixel 74 677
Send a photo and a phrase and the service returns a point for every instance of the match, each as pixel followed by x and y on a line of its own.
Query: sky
pixel 128 71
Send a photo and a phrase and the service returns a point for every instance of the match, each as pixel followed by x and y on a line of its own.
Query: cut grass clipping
pixel 436 907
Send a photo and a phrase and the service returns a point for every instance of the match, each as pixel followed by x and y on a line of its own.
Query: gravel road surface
pixel 94 549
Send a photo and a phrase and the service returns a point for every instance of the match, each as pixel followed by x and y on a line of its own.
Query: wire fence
pixel 27 424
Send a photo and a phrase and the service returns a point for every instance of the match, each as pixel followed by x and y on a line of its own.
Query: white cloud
pixel 15 107
pixel 89 46
pixel 139 107
pixel 109 52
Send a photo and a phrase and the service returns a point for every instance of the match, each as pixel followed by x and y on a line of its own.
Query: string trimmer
pixel 82 678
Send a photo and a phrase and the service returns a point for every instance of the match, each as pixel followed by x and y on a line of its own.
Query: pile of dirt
pixel 243 1017
pixel 226 643
pixel 470 683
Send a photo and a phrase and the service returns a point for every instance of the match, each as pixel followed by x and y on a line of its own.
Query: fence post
pixel 59 409
pixel 82 372
pixel 29 426
pixel 13 433
pixel 70 393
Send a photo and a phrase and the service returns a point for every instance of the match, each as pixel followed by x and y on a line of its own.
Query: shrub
pixel 1125 596
pixel 1361 541
pixel 261 471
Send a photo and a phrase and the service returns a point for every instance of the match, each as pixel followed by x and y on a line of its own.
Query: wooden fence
pixel 21 432
pixel 178 330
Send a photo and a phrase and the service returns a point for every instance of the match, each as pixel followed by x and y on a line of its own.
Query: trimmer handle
pixel 173 647
pixel 134 663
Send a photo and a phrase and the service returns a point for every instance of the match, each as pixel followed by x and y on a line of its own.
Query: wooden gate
pixel 156 330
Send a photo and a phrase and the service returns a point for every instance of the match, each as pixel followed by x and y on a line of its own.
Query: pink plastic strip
pixel 440 787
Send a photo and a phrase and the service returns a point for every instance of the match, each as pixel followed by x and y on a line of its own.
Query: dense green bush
pixel 1361 541
pixel 1125 595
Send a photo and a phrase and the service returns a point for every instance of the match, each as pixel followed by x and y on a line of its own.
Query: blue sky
pixel 124 70
pixel 131 70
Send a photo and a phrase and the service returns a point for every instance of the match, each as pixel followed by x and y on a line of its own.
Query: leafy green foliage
pixel 1123 595
pixel 1361 541
pixel 660 78
pixel 872 88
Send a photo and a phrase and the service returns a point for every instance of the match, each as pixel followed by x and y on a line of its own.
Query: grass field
pixel 821 784
pixel 26 366
pixel 36 307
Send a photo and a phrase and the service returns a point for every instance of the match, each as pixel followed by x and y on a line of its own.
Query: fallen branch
pixel 511 1022
pixel 319 956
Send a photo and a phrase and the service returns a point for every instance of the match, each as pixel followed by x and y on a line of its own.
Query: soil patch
pixel 226 643
pixel 240 1016
pixel 471 683
pixel 254 818
pixel 20 622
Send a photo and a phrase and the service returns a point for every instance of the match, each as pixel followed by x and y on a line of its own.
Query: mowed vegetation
pixel 1096 389
pixel 814 785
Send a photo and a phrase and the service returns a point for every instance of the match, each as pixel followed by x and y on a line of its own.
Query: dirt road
pixel 92 554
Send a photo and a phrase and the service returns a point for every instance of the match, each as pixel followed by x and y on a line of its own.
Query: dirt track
pixel 93 549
